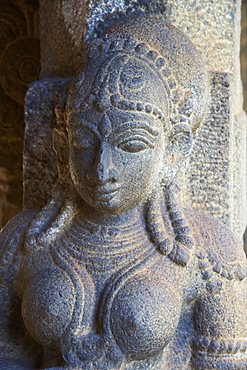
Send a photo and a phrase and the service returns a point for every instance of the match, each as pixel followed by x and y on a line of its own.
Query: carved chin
pixel 116 200
pixel 110 205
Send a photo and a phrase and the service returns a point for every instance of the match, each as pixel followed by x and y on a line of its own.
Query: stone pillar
pixel 216 178
pixel 62 33
pixel 19 65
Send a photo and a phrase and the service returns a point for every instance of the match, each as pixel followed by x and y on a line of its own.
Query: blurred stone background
pixel 19 65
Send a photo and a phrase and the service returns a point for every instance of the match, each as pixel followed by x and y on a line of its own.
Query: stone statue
pixel 114 273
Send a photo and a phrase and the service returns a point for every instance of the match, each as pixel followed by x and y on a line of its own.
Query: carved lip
pixel 105 193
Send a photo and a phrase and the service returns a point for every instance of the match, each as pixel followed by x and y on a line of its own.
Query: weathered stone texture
pixel 40 172
pixel 243 54
pixel 209 166
pixel 62 31
pixel 214 27
pixel 216 179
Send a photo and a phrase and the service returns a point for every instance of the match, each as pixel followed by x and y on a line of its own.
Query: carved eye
pixel 134 145
pixel 82 143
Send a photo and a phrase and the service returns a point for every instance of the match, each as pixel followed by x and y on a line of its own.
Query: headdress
pixel 128 65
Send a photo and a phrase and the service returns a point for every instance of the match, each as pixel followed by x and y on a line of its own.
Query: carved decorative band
pixel 219 346
pixel 210 263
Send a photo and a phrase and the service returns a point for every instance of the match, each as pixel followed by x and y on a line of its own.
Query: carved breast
pixel 47 305
pixel 144 315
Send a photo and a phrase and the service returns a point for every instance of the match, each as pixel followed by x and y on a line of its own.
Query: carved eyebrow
pixel 78 123
pixel 137 125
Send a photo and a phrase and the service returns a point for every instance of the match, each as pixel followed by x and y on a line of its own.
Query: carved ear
pixel 179 144
pixel 60 145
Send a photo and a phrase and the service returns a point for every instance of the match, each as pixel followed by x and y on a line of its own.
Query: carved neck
pixel 107 219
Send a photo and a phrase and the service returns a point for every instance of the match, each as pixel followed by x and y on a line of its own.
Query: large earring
pixel 182 242
pixel 180 141
pixel 158 223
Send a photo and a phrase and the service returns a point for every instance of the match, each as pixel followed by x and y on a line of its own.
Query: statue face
pixel 115 157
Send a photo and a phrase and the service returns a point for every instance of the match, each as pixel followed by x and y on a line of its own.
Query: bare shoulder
pixel 216 246
pixel 11 241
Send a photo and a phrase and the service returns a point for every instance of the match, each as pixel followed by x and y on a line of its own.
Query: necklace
pixel 103 248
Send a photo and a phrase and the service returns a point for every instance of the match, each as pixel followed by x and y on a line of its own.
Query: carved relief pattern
pixel 19 65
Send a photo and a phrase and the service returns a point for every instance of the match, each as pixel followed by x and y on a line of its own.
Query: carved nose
pixel 104 168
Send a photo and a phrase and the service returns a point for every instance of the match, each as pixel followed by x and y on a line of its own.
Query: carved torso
pixel 108 280
pixel 139 311
pixel 110 290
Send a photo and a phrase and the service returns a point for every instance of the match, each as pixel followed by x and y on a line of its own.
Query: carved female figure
pixel 114 273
